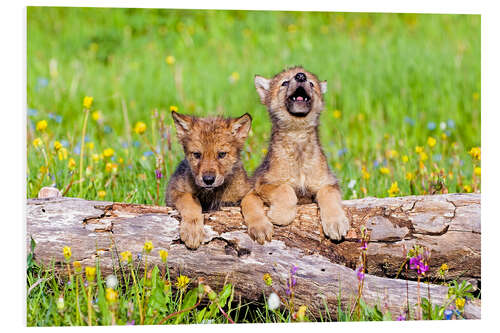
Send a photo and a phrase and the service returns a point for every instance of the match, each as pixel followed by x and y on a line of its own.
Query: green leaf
pixel 224 294
pixel 199 316
pixel 189 300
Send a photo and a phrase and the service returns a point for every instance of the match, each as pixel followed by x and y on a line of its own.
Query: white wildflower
pixel 273 302
pixel 352 183
pixel 111 281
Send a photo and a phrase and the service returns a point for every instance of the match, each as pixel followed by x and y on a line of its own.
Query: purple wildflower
pixel 293 270
pixel 401 318
pixel 132 322
pixel 360 273
pixel 417 264
pixel 447 314
pixel 158 174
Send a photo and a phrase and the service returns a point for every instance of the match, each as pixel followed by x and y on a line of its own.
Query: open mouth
pixel 300 95
pixel 298 104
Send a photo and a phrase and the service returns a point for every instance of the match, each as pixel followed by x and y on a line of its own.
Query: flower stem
pixel 137 293
pixel 89 304
pixel 82 148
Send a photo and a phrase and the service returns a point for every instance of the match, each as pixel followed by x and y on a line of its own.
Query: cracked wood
pixel 449 225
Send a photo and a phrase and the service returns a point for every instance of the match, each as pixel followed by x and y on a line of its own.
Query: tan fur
pixel 295 169
pixel 203 140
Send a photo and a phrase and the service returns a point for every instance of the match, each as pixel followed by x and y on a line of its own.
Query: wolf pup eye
pixel 222 154
pixel 197 155
pixel 284 84
pixel 312 84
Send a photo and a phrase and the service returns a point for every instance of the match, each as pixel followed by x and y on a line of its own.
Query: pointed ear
pixel 322 85
pixel 262 86
pixel 241 126
pixel 182 123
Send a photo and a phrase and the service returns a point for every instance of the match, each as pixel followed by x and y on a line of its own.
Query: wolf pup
pixel 295 169
pixel 212 174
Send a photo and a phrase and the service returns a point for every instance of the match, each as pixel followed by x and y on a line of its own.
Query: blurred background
pixel 402 111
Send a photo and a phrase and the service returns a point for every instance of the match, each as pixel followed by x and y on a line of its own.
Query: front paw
pixel 191 231
pixel 335 224
pixel 261 231
pixel 281 215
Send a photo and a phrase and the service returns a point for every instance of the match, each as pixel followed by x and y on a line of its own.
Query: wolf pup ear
pixel 241 126
pixel 262 86
pixel 182 123
pixel 322 85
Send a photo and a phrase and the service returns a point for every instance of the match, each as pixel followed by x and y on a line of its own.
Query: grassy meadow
pixel 402 117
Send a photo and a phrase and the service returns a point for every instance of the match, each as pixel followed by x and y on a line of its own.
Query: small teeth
pixel 295 98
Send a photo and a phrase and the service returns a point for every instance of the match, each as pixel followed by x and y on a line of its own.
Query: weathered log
pixel 448 225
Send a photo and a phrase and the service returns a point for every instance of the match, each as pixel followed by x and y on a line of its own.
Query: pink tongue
pixel 300 98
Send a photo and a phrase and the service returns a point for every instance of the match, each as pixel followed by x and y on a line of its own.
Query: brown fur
pixel 203 140
pixel 295 169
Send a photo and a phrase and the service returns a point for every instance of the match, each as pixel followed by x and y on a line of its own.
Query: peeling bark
pixel 448 225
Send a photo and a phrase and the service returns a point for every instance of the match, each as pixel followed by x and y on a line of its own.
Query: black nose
pixel 209 179
pixel 300 77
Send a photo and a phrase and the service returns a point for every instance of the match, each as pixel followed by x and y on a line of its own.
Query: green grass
pixel 393 77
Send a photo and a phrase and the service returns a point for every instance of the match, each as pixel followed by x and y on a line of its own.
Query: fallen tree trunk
pixel 448 225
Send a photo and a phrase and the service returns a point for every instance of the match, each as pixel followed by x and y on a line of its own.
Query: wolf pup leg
pixel 259 227
pixel 333 220
pixel 191 227
pixel 282 202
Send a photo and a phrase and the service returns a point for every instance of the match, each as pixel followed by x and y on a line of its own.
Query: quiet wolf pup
pixel 295 169
pixel 211 174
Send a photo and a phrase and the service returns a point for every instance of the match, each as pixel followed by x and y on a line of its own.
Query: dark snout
pixel 300 77
pixel 208 178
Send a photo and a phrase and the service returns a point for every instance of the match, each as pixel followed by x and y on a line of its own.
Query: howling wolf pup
pixel 212 174
pixel 295 169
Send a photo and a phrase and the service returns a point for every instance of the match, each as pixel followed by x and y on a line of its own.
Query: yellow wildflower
pixel 57 145
pixel 163 255
pixel 182 282
pixel 477 171
pixel 393 190
pixel 431 141
pixel 337 114
pixel 301 313
pixel 77 266
pixel 111 295
pixel 409 176
pixel 95 157
pixel 90 273
pixel 120 160
pixel 67 253
pixel 101 194
pixel 475 153
pixel 90 145
pixel 37 142
pixel 391 153
pixel 235 76
pixel 170 59
pixel 421 165
pixel 267 279
pixel 140 128
pixel 174 108
pixel 467 188
pixel 405 158
pixel 148 246
pixel 62 154
pixel 71 163
pixel 423 156
pixel 419 149
pixel 444 267
pixel 126 256
pixel 109 167
pixel 385 171
pixel 444 136
pixel 108 152
pixel 96 115
pixel 365 174
pixel 41 125
pixel 87 102
pixel 43 169
pixel 292 28
pixel 460 302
